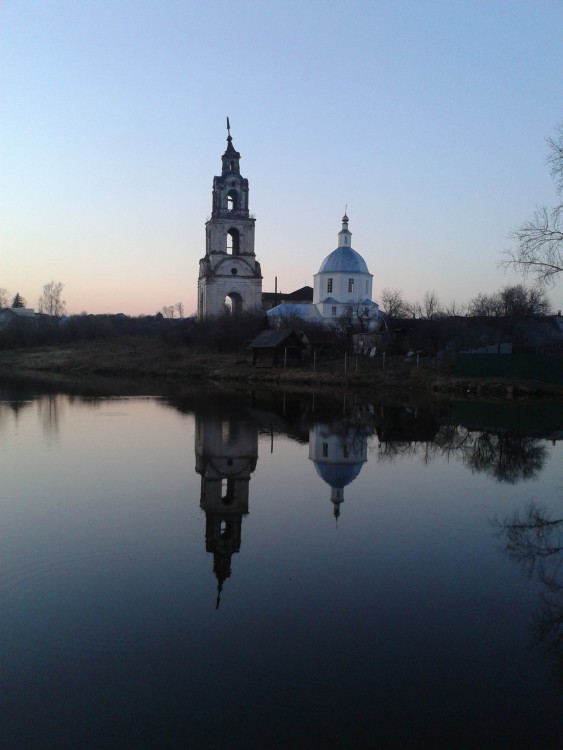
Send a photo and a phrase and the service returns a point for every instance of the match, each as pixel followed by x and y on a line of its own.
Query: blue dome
pixel 338 475
pixel 343 260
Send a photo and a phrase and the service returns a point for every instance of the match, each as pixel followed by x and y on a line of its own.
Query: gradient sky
pixel 426 118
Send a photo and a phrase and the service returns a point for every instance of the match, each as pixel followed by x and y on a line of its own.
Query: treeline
pixel 511 301
pixel 224 334
pixel 513 314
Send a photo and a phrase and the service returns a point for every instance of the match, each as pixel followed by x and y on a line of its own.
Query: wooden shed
pixel 280 348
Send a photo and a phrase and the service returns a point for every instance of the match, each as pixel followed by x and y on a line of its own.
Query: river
pixel 259 570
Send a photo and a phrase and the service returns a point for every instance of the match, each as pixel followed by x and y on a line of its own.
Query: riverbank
pixel 147 361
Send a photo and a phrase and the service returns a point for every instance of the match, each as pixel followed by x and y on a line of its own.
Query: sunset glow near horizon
pixel 427 119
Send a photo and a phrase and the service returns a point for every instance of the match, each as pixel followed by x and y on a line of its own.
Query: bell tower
pixel 230 278
pixel 226 446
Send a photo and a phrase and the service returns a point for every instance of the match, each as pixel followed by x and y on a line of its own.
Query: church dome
pixel 338 475
pixel 343 260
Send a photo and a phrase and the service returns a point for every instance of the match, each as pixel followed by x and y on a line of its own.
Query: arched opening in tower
pixel 232 200
pixel 233 303
pixel 228 491
pixel 233 241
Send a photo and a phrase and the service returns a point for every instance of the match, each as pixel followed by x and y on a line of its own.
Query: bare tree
pixel 520 302
pixel 358 317
pixel 486 305
pixel 4 297
pixel 179 306
pixel 431 305
pixel 394 304
pixel 455 310
pixel 515 301
pixel 168 311
pixel 415 310
pixel 51 302
pixel 539 242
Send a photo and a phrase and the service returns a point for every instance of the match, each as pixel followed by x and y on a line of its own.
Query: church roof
pixel 343 260
pixel 304 310
pixel 338 475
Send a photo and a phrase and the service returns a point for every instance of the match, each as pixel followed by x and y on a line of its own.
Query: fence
pixel 548 369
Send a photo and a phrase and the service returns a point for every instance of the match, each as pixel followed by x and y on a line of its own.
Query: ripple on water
pixel 79 606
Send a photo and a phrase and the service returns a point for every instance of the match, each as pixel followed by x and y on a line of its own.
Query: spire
pixel 231 156
pixel 345 236
pixel 222 570
pixel 230 147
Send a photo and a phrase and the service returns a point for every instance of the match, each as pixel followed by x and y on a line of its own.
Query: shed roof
pixel 275 338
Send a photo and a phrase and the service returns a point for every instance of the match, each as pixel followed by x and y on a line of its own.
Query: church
pixel 229 274
pixel 342 287
pixel 230 277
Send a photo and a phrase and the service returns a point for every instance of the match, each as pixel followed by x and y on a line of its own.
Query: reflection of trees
pixel 535 542
pixel 507 458
pixel 10 411
pixel 50 409
pixel 393 449
pixel 504 457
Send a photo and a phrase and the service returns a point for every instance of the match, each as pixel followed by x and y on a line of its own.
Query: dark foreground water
pixel 271 572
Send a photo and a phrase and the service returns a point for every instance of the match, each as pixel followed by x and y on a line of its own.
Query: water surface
pixel 278 572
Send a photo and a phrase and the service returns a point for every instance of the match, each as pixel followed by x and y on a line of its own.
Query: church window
pixel 233 241
pixel 346 450
pixel 329 285
pixel 350 285
pixel 234 272
pixel 334 311
pixel 325 450
pixel 367 286
pixel 232 200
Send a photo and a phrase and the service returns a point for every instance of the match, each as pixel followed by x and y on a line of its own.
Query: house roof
pixel 273 339
pixel 20 312
pixel 305 293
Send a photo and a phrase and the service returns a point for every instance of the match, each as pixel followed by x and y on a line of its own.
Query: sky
pixel 427 119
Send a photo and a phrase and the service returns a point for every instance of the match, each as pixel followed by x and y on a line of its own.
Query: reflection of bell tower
pixel 229 274
pixel 226 455
pixel 338 454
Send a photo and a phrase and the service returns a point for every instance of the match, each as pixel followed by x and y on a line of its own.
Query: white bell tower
pixel 230 277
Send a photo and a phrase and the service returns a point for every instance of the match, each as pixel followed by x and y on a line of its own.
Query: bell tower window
pixel 350 285
pixel 233 241
pixel 329 286
pixel 232 200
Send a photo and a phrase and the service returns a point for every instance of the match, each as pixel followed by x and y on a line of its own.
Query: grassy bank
pixel 147 360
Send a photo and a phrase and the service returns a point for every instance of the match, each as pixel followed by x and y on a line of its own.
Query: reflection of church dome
pixel 338 475
pixel 338 457
pixel 343 260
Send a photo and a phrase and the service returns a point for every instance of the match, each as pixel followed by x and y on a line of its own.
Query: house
pixel 277 348
pixel 303 296
pixel 11 315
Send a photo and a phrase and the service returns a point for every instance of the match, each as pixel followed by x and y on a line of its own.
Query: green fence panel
pixel 548 369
